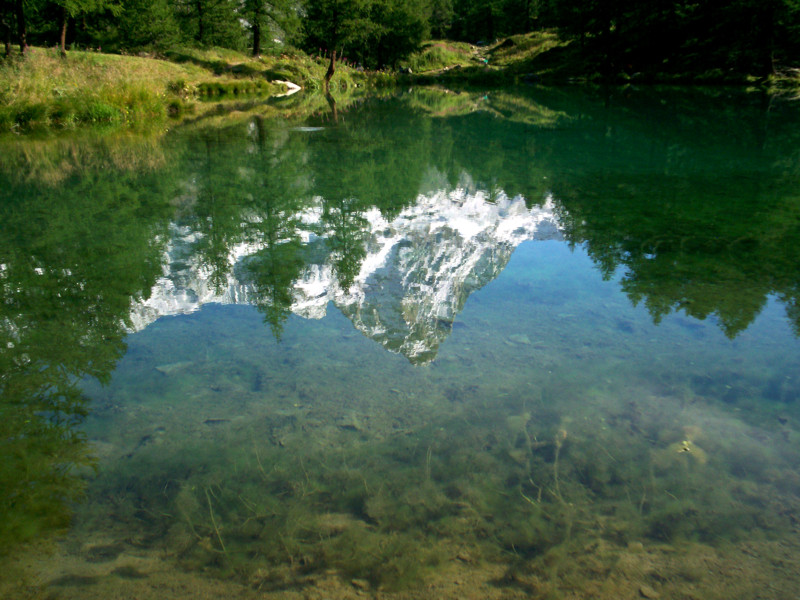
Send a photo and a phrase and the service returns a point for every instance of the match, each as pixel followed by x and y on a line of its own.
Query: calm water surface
pixel 535 345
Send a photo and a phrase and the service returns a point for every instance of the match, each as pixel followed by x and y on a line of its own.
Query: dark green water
pixel 541 345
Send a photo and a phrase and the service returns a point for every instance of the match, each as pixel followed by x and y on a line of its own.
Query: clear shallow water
pixel 547 349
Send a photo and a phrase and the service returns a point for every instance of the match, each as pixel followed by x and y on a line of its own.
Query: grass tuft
pixel 439 55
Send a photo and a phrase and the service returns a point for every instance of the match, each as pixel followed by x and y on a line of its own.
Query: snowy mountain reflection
pixel 411 275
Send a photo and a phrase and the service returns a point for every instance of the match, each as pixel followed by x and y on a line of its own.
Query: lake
pixel 540 344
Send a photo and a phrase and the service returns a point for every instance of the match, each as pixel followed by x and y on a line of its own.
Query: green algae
pixel 284 485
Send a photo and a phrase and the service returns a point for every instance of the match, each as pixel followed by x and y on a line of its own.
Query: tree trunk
pixel 5 26
pixel 527 26
pixel 22 29
pixel 257 29
pixel 765 52
pixel 63 32
pixel 332 104
pixel 261 132
pixel 199 6
pixel 331 69
pixel 605 38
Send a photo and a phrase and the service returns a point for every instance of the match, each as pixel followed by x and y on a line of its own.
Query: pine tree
pixel 211 22
pixel 281 17
pixel 72 8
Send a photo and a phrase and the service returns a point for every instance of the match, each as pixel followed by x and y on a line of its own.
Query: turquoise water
pixel 496 346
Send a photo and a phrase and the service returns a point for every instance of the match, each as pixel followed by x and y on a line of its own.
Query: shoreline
pixel 46 92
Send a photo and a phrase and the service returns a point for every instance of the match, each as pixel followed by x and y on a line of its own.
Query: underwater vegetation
pixel 386 487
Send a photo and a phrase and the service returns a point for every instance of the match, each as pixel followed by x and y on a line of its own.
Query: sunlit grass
pixel 524 47
pixel 438 55
pixel 43 89
pixel 536 55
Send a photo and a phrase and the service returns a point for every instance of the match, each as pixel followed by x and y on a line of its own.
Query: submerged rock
pixel 172 368
pixel 350 422
pixel 645 591
pixel 335 523
pixel 361 584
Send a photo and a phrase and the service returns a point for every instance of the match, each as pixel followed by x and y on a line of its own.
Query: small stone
pixel 351 422
pixel 361 584
pixel 520 338
pixel 635 546
pixel 173 368
pixel 519 456
pixel 647 592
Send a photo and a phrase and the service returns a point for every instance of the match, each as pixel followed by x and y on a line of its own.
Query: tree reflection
pixel 216 211
pixel 686 227
pixel 72 259
pixel 276 189
pixel 347 232
pixel 688 197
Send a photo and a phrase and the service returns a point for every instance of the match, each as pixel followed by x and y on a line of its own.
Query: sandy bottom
pixel 754 569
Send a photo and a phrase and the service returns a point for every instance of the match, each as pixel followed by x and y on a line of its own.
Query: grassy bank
pixel 548 58
pixel 42 90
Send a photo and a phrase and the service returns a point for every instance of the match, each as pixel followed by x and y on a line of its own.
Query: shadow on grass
pixel 218 66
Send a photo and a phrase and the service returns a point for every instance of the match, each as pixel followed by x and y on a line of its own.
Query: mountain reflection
pixel 405 206
pixel 694 208
pixel 401 281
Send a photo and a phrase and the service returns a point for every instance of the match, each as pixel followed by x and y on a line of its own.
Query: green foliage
pixel 684 37
pixel 210 23
pixel 480 21
pixel 121 106
pixel 236 88
pixel 64 303
pixel 269 20
pixel 342 219
pixel 374 33
pixel 43 90
pixel 145 24
pixel 442 14
pixel 402 25
pixel 666 260
pixel 709 41
pixel 78 7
